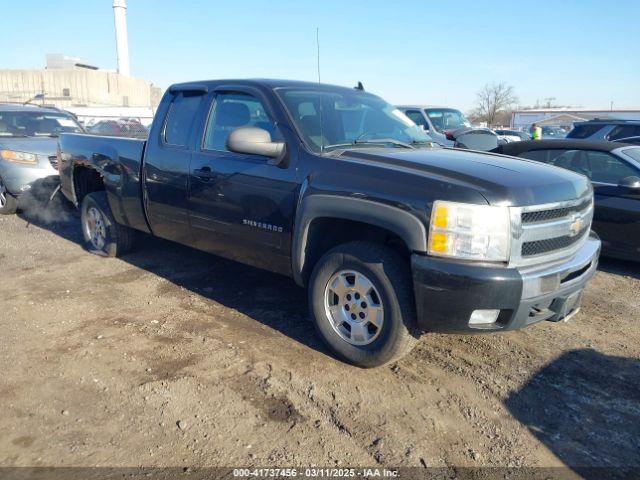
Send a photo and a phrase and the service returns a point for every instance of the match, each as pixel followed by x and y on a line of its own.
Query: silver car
pixel 438 122
pixel 611 130
pixel 28 145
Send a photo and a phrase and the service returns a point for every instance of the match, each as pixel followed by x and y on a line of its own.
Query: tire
pixel 8 203
pixel 364 267
pixel 102 234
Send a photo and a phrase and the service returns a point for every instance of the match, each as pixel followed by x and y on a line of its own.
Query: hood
pixel 500 179
pixel 46 146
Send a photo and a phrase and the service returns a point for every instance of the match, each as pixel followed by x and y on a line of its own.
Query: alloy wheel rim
pixel 96 228
pixel 354 307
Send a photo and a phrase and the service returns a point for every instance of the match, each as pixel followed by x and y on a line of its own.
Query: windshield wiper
pixel 431 143
pixel 392 141
pixel 382 141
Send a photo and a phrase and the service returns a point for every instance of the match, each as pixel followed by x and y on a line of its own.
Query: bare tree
pixel 494 99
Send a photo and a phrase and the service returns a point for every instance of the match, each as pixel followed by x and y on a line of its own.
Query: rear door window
pixel 624 131
pixel 548 155
pixel 585 130
pixel 180 118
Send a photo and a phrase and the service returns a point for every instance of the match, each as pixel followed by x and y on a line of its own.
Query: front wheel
pixel 8 203
pixel 102 234
pixel 361 299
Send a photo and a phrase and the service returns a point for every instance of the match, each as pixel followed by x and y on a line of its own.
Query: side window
pixel 180 119
pixel 537 155
pixel 417 118
pixel 231 111
pixel 624 131
pixel 605 168
pixel 585 130
pixel 557 156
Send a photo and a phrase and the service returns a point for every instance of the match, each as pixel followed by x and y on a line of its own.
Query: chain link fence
pixel 116 127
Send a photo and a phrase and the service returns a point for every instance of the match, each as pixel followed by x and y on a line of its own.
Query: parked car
pixel 513 135
pixel 614 170
pixel 119 128
pixel 599 129
pixel 28 150
pixel 324 184
pixel 438 122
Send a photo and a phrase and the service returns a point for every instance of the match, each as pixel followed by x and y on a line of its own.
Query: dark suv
pixel 605 129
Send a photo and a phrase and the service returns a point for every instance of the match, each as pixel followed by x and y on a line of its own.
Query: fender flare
pixel 404 224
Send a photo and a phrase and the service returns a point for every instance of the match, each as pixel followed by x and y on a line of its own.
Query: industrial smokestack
pixel 122 42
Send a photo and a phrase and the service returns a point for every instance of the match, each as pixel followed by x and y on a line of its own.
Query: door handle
pixel 204 173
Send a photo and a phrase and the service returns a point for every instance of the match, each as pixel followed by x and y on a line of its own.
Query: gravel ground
pixel 172 357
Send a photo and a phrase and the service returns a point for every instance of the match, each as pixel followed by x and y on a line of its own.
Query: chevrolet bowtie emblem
pixel 575 227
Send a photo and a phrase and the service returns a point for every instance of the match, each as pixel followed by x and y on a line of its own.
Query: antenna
pixel 318 50
pixel 320 93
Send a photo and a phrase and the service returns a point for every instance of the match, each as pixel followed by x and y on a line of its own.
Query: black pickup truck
pixel 391 235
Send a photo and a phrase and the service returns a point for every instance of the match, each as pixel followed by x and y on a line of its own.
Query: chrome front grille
pixel 538 247
pixel 545 215
pixel 546 233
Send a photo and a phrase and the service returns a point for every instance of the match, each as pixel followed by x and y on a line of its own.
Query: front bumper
pixel 448 292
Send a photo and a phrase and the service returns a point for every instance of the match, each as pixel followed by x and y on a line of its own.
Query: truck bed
pixel 119 162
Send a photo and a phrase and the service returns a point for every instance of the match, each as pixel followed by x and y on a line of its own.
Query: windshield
pixel 447 119
pixel 336 119
pixel 36 124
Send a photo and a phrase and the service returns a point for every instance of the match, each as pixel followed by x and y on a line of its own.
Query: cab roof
pixel 259 83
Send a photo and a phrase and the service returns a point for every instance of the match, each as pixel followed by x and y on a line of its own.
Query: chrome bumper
pixel 558 276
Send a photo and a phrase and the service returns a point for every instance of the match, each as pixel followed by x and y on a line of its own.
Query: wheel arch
pixel 324 221
pixel 85 179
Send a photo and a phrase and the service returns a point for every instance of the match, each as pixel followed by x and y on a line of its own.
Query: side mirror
pixel 632 183
pixel 256 141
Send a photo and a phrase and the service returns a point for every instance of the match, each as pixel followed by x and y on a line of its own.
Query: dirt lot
pixel 172 357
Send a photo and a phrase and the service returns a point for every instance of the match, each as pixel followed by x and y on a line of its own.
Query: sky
pixel 582 52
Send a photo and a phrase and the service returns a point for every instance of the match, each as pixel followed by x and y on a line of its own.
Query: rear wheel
pixel 102 234
pixel 8 203
pixel 361 298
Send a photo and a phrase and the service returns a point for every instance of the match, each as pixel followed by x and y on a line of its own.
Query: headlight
pixel 471 232
pixel 18 157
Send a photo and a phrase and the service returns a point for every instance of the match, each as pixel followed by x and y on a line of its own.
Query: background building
pixel 566 117
pixel 76 85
